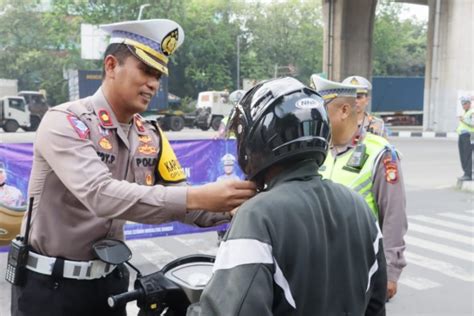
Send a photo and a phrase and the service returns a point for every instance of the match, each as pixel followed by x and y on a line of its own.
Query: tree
pixel 399 45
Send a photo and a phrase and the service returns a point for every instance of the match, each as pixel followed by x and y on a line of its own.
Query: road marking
pixel 418 283
pixel 426 219
pixel 442 267
pixel 440 248
pixel 465 218
pixel 442 234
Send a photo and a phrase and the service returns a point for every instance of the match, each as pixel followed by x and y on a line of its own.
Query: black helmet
pixel 279 120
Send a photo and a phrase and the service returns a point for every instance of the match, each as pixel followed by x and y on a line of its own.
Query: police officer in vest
pixel 303 245
pixel 368 164
pixel 465 131
pixel 365 120
pixel 97 164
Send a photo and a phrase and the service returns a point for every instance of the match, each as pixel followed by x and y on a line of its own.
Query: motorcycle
pixel 175 290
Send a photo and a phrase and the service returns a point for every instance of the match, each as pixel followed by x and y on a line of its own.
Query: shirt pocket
pixel 143 169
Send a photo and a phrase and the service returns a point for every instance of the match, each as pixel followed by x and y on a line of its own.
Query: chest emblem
pixel 105 143
pixel 144 138
pixel 147 149
pixel 149 179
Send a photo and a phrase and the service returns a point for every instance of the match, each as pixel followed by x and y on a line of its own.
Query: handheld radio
pixel 18 254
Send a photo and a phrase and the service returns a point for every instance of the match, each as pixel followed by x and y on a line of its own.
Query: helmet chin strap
pixel 2 184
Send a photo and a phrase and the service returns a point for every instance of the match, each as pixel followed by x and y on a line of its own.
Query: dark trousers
pixel 465 153
pixel 43 295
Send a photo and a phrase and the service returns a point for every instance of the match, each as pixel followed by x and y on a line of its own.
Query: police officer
pixel 365 120
pixel 302 246
pixel 234 97
pixel 368 164
pixel 465 130
pixel 97 164
pixel 228 161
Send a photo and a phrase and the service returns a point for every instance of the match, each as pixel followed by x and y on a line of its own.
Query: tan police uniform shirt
pixel 374 125
pixel 391 201
pixel 88 177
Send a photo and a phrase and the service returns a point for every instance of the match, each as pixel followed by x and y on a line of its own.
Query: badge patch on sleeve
pixel 81 129
pixel 169 168
pixel 391 170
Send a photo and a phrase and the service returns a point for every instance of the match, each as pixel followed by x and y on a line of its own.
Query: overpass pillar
pixel 450 62
pixel 348 37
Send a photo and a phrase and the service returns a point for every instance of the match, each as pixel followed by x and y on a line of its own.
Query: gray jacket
pixel 304 246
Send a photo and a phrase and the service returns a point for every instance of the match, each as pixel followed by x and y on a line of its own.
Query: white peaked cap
pixel 330 89
pixel 365 85
pixel 151 41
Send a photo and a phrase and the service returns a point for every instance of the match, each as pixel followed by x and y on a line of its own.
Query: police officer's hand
pixel 391 289
pixel 220 196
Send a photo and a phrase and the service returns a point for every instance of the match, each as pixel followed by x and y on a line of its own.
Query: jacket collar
pixel 107 118
pixel 300 170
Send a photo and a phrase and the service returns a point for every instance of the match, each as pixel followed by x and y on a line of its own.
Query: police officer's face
pixel 228 169
pixel 362 101
pixel 135 83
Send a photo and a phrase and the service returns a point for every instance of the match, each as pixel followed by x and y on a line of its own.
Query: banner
pixel 203 161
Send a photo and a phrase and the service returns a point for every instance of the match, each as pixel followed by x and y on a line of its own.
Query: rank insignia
pixel 103 131
pixel 149 179
pixel 104 118
pixel 144 138
pixel 105 143
pixel 81 129
pixel 147 149
pixel 139 125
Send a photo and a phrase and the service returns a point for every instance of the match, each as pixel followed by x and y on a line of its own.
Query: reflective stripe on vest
pixel 362 181
pixel 466 118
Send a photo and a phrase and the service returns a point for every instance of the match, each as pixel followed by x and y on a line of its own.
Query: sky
pixel 416 10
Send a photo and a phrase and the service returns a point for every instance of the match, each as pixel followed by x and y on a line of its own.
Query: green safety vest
pixel 360 180
pixel 467 123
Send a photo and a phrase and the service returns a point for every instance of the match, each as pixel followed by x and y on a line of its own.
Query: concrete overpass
pixel 450 56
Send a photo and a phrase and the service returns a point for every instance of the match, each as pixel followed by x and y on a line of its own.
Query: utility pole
pixel 238 62
pixel 143 6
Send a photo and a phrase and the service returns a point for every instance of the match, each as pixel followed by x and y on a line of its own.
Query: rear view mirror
pixel 112 251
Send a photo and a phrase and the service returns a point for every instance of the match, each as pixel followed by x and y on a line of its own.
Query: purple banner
pixel 203 161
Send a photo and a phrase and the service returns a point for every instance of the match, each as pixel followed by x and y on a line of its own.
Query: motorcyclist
pixel 303 245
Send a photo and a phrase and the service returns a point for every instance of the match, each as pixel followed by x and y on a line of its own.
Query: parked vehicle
pixel 37 105
pixel 14 114
pixel 398 100
pixel 35 101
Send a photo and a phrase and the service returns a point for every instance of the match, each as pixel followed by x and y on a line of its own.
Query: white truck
pixel 13 110
pixel 23 109
pixel 14 114
pixel 212 107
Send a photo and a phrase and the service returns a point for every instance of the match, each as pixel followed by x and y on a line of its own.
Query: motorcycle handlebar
pixel 124 298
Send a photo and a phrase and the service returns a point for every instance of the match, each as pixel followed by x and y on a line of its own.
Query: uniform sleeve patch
pixel 391 170
pixel 81 129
